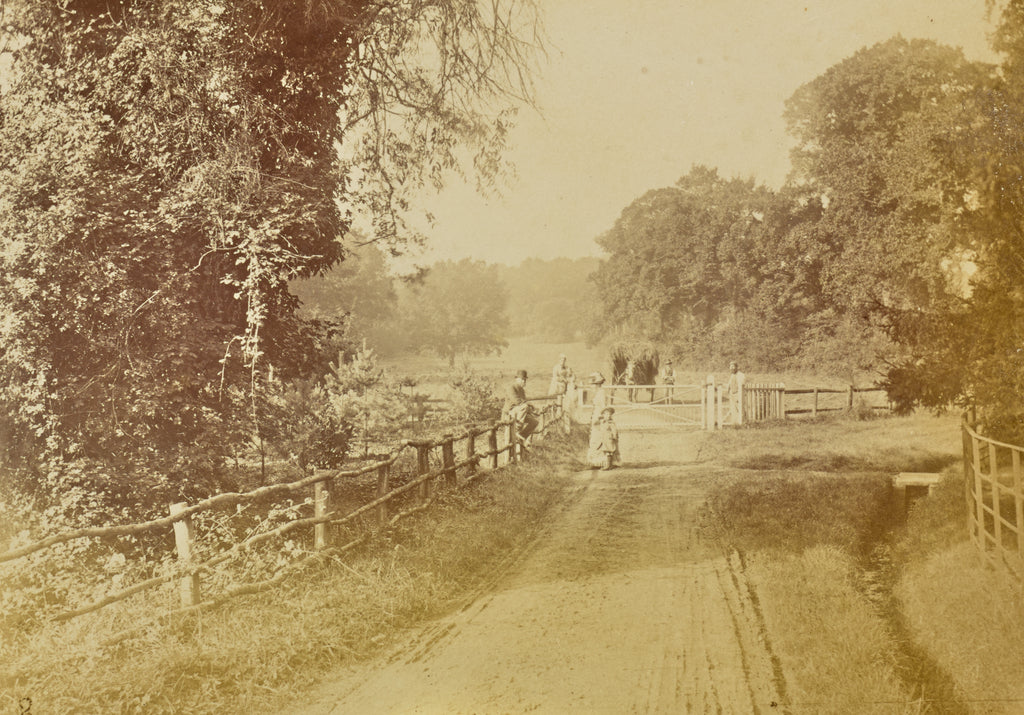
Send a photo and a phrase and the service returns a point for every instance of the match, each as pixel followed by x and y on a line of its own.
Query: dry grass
pixel 972 621
pixel 831 645
pixel 811 510
pixel 256 653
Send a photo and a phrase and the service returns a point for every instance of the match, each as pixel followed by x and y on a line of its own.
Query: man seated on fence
pixel 734 389
pixel 518 409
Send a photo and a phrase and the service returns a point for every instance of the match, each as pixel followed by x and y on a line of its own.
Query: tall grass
pixel 256 653
pixel 809 505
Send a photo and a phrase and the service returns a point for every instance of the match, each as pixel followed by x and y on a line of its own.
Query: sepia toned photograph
pixel 485 357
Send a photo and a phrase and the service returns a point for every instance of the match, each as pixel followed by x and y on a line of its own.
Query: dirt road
pixel 618 607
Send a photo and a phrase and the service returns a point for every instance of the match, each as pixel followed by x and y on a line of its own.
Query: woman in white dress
pixel 595 456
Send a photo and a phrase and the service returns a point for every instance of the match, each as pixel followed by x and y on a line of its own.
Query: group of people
pixel 603 450
pixel 630 377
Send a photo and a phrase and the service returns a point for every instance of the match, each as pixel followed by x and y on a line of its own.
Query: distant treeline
pixel 454 307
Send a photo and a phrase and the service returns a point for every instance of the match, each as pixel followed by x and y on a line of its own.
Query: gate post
pixel 712 391
pixel 492 446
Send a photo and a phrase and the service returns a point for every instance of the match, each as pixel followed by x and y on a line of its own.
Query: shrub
pixel 474 397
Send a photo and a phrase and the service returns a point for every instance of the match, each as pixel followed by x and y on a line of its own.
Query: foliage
pixel 475 397
pixel 167 167
pixel 359 291
pixel 645 362
pixel 665 265
pixel 459 308
pixel 550 301
pixel 367 402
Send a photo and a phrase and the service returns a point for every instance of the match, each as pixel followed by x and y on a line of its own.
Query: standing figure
pixel 629 377
pixel 668 379
pixel 607 447
pixel 734 388
pixel 561 375
pixel 518 409
pixel 599 400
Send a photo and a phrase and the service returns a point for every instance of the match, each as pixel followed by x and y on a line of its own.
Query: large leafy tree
pixel 678 256
pixel 459 308
pixel 876 135
pixel 167 166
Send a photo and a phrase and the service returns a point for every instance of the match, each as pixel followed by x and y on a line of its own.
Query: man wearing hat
pixel 668 379
pixel 518 409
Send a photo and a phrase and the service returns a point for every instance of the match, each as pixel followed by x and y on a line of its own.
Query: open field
pixel 432 373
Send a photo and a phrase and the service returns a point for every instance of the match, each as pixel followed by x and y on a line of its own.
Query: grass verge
pixel 257 653
pixel 809 506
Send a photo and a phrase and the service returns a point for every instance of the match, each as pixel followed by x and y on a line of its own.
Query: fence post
pixel 321 506
pixel 719 411
pixel 383 471
pixel 448 459
pixel 422 467
pixel 978 532
pixel 471 453
pixel 190 594
pixel 1018 500
pixel 849 397
pixel 814 407
pixel 492 446
pixel 511 432
pixel 997 521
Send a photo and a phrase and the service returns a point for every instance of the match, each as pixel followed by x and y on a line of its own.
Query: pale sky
pixel 635 92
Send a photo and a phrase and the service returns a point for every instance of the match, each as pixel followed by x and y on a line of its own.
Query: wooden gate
pixel 648 406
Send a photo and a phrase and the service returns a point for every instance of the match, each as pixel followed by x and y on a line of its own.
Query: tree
pixel 880 140
pixel 360 292
pixel 167 167
pixel 676 256
pixel 460 308
pixel 550 299
pixel 875 142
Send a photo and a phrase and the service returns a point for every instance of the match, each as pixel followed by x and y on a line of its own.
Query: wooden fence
pixel 995 499
pixel 774 401
pixel 708 406
pixel 457 459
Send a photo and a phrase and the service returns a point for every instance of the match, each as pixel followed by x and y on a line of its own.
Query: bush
pixel 474 397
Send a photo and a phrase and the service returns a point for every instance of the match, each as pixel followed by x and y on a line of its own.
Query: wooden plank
pixel 383 474
pixel 321 507
pixel 997 522
pixel 190 592
pixel 448 459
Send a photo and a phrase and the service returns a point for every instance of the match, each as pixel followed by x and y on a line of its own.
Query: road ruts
pixel 619 607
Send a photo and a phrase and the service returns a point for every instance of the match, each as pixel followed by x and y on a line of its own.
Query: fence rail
pixel 995 499
pixel 503 448
pixel 710 405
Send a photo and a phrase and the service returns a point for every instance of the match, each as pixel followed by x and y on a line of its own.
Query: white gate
pixel 649 406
